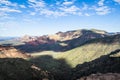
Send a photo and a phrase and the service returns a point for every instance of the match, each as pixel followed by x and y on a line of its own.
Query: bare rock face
pixel 61 41
pixel 99 76
pixel 69 35
pixel 11 52
pixel 64 36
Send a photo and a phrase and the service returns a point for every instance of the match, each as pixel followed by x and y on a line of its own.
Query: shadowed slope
pixel 60 69
pixel 19 69
pixel 100 76
pixel 104 64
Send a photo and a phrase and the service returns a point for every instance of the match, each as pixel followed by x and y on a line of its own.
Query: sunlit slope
pixel 61 63
pixel 87 52
pixel 91 50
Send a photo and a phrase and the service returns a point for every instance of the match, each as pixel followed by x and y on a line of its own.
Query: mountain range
pixel 72 55
pixel 61 41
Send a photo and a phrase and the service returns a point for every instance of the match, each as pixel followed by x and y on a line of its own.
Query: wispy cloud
pixel 52 13
pixel 101 2
pixel 63 9
pixel 86 14
pixel 103 10
pixel 36 3
pixel 41 8
pixel 70 9
pixel 59 8
pixel 118 1
pixel 68 3
pixel 22 6
pixel 7 3
pixel 7 7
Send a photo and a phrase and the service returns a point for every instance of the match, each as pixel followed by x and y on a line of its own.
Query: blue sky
pixel 41 17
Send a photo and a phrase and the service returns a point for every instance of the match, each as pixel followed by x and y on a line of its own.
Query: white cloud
pixel 86 14
pixel 41 9
pixel 101 2
pixel 118 1
pixel 67 3
pixel 22 6
pixel 65 8
pixel 47 12
pixel 36 4
pixel 6 9
pixel 53 13
pixel 70 9
pixel 102 10
pixel 7 3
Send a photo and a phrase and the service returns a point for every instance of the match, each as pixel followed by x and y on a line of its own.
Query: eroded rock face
pixel 61 41
pixel 20 69
pixel 69 35
pixel 11 52
pixel 99 76
pixel 64 36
